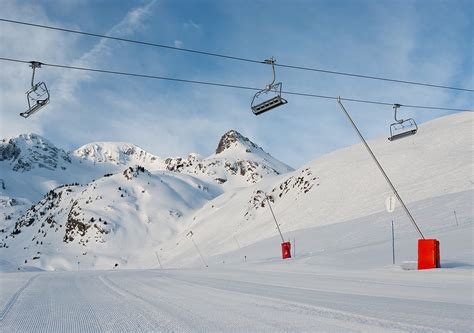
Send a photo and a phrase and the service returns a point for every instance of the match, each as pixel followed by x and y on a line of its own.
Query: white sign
pixel 390 203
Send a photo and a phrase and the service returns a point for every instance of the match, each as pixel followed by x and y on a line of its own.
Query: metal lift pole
pixel 380 168
pixel 202 258
pixel 278 227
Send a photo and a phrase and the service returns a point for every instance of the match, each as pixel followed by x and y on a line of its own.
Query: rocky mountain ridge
pixel 29 151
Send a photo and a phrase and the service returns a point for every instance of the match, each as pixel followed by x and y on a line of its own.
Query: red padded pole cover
pixel 286 250
pixel 428 254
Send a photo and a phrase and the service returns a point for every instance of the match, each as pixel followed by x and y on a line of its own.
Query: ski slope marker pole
pixel 294 247
pixel 158 257
pixel 393 245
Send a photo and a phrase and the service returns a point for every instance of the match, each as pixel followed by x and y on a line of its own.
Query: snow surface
pixel 341 278
pixel 350 287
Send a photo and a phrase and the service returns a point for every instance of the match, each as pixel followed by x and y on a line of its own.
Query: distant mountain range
pixel 64 199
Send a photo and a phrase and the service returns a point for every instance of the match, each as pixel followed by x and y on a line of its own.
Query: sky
pixel 425 41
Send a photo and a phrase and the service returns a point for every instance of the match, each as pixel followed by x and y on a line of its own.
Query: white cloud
pixel 101 51
pixel 178 43
pixel 190 24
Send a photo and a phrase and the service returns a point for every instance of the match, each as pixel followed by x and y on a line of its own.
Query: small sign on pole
pixel 390 204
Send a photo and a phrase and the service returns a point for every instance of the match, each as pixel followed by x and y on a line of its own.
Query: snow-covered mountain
pixel 30 165
pixel 237 162
pixel 107 220
pixel 118 153
pixel 29 151
pixel 131 216
pixel 82 187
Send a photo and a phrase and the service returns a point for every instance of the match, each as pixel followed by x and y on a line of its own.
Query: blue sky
pixel 428 41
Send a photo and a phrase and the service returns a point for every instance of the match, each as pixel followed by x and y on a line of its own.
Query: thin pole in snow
pixel 294 247
pixel 456 217
pixel 236 242
pixel 202 258
pixel 158 257
pixel 274 218
pixel 393 245
pixel 389 182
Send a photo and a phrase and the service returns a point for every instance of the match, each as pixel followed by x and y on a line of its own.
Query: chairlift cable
pixel 216 84
pixel 312 69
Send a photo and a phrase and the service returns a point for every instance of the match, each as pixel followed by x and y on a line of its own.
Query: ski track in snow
pixel 14 298
pixel 156 318
pixel 320 304
pixel 52 303
pixel 217 300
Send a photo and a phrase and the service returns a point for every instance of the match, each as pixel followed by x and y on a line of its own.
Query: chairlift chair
pixel 260 102
pixel 38 95
pixel 402 127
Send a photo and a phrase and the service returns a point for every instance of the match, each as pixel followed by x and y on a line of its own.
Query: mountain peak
pixel 27 151
pixel 119 153
pixel 234 139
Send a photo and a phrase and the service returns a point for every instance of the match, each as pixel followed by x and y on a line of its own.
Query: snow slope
pixel 105 222
pixel 239 299
pixel 342 186
pixel 348 285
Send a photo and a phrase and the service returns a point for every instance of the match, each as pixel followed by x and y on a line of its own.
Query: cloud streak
pixel 100 53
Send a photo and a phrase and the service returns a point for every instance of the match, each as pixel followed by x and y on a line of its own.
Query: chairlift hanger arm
pixel 271 61
pixel 34 65
pixel 396 107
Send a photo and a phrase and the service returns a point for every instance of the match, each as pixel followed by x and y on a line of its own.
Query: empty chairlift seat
pixel 269 97
pixel 268 103
pixel 402 127
pixel 38 95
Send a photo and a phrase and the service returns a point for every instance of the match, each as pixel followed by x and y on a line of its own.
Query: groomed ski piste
pixel 340 279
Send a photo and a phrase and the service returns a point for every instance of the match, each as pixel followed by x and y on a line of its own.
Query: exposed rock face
pixel 9 151
pixel 233 138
